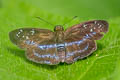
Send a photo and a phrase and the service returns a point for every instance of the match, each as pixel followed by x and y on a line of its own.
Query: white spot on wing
pixel 17 35
pixel 32 32
pixel 91 30
pixel 95 22
pixel 27 37
pixel 100 26
pixel 18 32
pixel 21 30
pixel 85 26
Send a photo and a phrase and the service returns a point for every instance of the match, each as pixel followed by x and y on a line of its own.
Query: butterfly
pixel 52 47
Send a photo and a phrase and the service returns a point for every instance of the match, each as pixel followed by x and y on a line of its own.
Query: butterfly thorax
pixel 59 38
pixel 59 33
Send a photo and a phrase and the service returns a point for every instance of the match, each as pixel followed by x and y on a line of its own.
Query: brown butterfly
pixel 47 47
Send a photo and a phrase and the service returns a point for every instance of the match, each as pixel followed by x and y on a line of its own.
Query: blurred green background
pixel 81 8
pixel 103 64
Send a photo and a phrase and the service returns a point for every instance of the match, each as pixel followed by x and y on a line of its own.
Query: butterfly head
pixel 58 28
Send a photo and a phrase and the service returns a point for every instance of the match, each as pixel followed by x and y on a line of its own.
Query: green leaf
pixel 101 65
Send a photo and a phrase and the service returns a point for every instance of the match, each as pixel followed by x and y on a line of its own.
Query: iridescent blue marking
pixel 47 62
pixel 30 42
pixel 87 36
pixel 76 58
pixel 60 45
pixel 46 55
pixel 75 42
pixel 47 46
pixel 79 42
pixel 80 51
pixel 94 33
pixel 42 46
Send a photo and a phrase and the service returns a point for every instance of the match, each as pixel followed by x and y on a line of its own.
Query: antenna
pixel 44 20
pixel 70 20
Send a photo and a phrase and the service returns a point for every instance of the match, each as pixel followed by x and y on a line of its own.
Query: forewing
pixel 40 44
pixel 78 49
pixel 92 29
pixel 25 37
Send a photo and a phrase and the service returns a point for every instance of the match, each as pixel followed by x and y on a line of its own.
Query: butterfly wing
pixel 93 29
pixel 44 53
pixel 24 37
pixel 40 44
pixel 78 49
pixel 79 39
